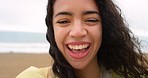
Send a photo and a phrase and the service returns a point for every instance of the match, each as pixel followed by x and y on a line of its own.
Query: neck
pixel 91 71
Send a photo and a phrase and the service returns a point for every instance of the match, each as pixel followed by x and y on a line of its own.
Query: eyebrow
pixel 91 12
pixel 64 13
pixel 84 13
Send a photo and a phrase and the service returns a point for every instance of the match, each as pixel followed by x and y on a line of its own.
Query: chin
pixel 79 65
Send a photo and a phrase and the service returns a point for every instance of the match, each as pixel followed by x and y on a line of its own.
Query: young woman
pixel 89 39
pixel 88 36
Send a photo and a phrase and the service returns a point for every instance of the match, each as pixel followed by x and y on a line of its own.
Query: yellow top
pixel 33 72
pixel 46 72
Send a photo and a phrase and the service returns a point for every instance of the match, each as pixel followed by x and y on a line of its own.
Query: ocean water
pixel 144 43
pixel 24 48
pixel 28 42
pixel 23 42
pixel 22 37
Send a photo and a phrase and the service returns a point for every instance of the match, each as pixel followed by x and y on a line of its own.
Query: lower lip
pixel 78 55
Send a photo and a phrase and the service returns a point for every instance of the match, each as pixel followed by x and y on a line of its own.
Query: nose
pixel 78 30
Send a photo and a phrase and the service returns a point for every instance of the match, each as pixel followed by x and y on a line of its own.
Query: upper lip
pixel 78 43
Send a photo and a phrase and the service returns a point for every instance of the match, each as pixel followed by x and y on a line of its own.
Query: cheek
pixel 97 36
pixel 60 36
pixel 96 32
pixel 97 39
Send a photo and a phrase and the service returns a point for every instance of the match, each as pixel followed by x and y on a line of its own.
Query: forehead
pixel 74 5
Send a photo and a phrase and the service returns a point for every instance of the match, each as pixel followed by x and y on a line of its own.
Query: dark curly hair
pixel 119 51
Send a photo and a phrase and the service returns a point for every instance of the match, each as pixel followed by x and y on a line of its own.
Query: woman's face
pixel 78 31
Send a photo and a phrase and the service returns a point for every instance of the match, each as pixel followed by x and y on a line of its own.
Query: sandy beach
pixel 11 64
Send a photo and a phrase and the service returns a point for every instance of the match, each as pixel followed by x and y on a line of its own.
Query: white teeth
pixel 78 47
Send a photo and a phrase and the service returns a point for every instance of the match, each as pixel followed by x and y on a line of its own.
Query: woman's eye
pixel 92 20
pixel 63 22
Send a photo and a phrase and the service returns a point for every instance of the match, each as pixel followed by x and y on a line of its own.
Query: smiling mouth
pixel 78 48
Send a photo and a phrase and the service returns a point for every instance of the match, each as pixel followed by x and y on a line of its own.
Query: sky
pixel 29 15
pixel 23 15
pixel 136 14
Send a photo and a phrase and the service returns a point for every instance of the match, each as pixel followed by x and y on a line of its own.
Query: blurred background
pixel 23 29
pixel 22 24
